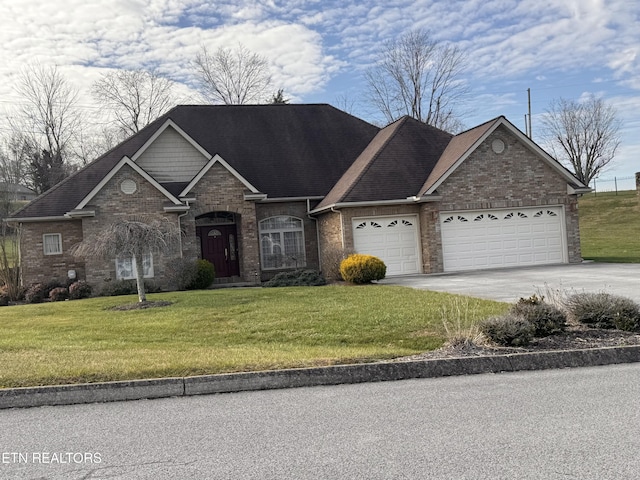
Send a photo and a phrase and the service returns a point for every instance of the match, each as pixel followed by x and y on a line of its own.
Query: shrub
pixel 50 285
pixel 508 330
pixel 205 275
pixel 307 278
pixel 181 273
pixel 126 287
pixel 59 294
pixel 35 293
pixel 546 319
pixel 79 290
pixel 603 310
pixel 359 268
pixel 4 296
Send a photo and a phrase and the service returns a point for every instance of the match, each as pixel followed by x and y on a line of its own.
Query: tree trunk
pixel 139 268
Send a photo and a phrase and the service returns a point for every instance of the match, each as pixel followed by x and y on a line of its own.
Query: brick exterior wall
pixel 517 177
pixel 220 191
pixel 36 267
pixel 112 205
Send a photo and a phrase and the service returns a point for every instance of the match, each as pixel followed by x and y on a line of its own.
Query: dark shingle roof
pixel 393 166
pixel 282 150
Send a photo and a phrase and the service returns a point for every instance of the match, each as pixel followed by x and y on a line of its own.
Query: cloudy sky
pixel 319 49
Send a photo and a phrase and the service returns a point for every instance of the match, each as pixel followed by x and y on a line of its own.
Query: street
pixel 555 424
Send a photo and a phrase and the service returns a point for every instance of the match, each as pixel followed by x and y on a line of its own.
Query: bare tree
pixel 233 77
pixel 134 97
pixel 419 77
pixel 582 134
pixel 10 260
pixel 49 120
pixel 132 238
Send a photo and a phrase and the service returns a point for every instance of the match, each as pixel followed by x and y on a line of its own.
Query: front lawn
pixel 228 330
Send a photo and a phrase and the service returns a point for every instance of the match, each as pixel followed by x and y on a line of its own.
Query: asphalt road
pixel 554 424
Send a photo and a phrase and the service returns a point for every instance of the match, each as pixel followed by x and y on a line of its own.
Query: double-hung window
pixel 282 243
pixel 52 243
pixel 125 268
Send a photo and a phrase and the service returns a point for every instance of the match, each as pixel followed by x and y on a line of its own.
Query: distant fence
pixel 614 184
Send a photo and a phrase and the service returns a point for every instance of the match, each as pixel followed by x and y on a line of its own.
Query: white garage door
pixel 392 239
pixel 502 238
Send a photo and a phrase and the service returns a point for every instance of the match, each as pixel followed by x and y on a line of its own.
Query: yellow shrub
pixel 359 268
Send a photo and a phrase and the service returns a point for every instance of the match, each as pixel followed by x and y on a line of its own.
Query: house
pixel 264 188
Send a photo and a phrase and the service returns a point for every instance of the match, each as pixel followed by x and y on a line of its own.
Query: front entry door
pixel 219 246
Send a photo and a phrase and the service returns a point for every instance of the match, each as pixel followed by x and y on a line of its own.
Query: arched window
pixel 282 243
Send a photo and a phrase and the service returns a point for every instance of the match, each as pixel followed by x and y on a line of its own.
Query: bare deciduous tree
pixel 419 77
pixel 10 260
pixel 582 134
pixel 233 77
pixel 134 97
pixel 50 121
pixel 132 238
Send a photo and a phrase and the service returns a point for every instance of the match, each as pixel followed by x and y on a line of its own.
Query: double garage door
pixel 503 238
pixel 471 240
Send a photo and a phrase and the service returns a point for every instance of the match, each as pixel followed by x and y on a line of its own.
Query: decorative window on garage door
pixel 282 243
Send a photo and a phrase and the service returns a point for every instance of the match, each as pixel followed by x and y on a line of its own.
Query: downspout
pixel 317 233
pixel 180 228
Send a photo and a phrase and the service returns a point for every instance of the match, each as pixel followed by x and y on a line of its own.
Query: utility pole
pixel 529 98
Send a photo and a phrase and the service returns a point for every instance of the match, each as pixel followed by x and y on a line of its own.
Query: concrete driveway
pixel 508 285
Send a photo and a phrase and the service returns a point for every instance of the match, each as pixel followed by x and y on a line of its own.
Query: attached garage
pixel 392 239
pixel 474 240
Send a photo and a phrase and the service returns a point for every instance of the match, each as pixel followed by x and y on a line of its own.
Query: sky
pixel 318 50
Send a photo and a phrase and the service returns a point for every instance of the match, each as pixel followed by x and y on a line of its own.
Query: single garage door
pixel 502 238
pixel 392 239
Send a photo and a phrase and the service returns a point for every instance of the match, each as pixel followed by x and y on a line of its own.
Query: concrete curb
pixel 307 377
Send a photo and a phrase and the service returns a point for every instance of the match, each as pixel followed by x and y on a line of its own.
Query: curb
pixel 308 377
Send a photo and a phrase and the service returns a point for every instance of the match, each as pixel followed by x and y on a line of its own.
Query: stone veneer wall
pixel 220 191
pixel 111 205
pixel 514 178
pixel 36 267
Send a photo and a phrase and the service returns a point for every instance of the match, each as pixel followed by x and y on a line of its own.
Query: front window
pixel 52 243
pixel 125 268
pixel 282 243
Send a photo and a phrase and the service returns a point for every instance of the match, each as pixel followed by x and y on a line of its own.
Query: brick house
pixel 266 188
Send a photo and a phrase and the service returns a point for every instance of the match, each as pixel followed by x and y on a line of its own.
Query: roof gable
pixel 170 155
pixel 126 161
pixel 219 160
pixel 465 143
pixel 393 166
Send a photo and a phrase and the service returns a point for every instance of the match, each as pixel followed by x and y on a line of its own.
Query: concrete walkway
pixel 508 285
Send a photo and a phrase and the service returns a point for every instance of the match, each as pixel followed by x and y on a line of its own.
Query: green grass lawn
pixel 610 227
pixel 229 330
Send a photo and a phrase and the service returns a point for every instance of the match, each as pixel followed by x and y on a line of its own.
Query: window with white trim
pixel 52 243
pixel 282 242
pixel 125 268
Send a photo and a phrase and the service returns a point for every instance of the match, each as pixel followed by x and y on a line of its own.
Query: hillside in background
pixel 610 226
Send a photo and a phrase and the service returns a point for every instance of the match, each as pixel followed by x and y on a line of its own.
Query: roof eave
pixel 378 203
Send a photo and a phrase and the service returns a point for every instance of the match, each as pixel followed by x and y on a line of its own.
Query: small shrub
pixel 59 294
pixel 508 330
pixel 360 269
pixel 4 296
pixel 546 319
pixel 79 290
pixel 126 287
pixel 35 293
pixel 181 273
pixel 51 285
pixel 305 278
pixel 205 275
pixel 603 310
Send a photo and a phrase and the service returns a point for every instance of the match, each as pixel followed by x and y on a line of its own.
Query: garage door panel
pixel 524 236
pixel 392 239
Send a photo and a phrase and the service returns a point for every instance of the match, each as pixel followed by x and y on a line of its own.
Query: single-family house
pixel 258 189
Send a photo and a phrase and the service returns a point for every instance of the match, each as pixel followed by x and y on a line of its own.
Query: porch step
pixel 235 281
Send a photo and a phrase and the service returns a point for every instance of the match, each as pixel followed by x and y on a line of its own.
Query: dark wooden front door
pixel 219 246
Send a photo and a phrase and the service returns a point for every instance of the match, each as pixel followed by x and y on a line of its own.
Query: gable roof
pixel 280 150
pixel 463 144
pixel 393 166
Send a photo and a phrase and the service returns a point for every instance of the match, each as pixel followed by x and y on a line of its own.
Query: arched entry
pixel 219 242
